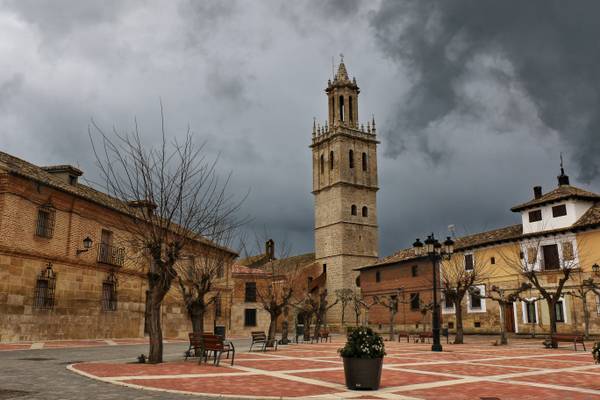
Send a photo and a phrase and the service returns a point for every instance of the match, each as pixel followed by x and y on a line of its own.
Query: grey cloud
pixel 552 45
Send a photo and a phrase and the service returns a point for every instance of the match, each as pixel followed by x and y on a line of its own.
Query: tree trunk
pixel 196 315
pixel 343 314
pixel 155 354
pixel 586 317
pixel 552 311
pixel 392 315
pixel 272 326
pixel 503 337
pixel 458 339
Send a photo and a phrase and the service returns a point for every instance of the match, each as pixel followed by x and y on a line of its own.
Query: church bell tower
pixel 344 156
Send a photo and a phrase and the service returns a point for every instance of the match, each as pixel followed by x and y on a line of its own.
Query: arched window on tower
pixel 322 163
pixel 365 211
pixel 341 106
pixel 353 209
pixel 364 161
pixel 332 106
pixel 351 158
pixel 331 160
pixel 350 111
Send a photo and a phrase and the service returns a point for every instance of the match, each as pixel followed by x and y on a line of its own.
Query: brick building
pixel 404 278
pixel 559 230
pixel 251 276
pixel 66 268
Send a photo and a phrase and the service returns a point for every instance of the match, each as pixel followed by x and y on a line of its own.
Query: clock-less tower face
pixel 345 187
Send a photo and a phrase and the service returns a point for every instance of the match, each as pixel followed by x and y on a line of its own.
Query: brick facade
pixel 77 312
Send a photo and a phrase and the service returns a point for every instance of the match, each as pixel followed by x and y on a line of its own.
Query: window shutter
pixel 531 255
pixel 567 248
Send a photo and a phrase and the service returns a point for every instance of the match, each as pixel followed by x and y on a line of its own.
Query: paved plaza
pixel 477 370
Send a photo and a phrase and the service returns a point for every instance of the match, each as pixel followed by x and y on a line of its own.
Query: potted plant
pixel 363 359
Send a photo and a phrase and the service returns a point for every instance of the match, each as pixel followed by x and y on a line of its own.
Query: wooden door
pixel 509 318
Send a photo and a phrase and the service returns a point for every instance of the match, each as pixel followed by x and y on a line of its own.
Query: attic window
pixel 559 211
pixel 72 180
pixel 535 215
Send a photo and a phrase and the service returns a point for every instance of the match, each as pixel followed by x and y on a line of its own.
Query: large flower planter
pixel 363 373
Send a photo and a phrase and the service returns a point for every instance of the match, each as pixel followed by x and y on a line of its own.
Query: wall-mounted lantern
pixel 87 245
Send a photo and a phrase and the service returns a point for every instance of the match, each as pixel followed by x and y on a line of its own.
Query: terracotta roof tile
pixel 17 166
pixel 562 192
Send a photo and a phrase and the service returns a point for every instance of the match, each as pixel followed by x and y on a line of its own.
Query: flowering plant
pixel 363 343
pixel 596 352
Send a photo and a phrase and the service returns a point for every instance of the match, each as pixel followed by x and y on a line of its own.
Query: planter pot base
pixel 362 373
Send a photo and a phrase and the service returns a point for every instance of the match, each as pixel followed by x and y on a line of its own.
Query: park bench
pixel 259 337
pixel 195 349
pixel 560 337
pixel 404 335
pixel 425 336
pixel 217 345
pixel 323 336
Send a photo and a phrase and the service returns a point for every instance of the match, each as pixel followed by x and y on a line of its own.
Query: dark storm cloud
pixel 451 80
pixel 552 45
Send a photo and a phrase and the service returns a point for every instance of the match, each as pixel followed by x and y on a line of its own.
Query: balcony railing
pixel 112 255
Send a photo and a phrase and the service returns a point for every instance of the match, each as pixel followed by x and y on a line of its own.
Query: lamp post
pixel 436 252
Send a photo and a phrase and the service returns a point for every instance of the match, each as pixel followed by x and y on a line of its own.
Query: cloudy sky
pixel 474 99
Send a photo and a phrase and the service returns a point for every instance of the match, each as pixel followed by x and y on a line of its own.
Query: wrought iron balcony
pixel 112 255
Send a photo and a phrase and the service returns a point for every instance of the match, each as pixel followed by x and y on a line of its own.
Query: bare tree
pixel 171 199
pixel 277 293
pixel 279 286
pixel 524 259
pixel 458 275
pixel 197 276
pixel 390 302
pixel 580 290
pixel 358 304
pixel 344 297
pixel 504 298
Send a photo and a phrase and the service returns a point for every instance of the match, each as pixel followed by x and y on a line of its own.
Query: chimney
pixel 270 249
pixel 537 192
pixel 144 205
pixel 66 173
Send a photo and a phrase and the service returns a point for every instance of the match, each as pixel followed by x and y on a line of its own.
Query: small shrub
pixel 363 343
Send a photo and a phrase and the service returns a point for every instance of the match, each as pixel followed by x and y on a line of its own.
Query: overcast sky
pixel 474 99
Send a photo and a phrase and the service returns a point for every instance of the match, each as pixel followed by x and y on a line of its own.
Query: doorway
pixel 509 318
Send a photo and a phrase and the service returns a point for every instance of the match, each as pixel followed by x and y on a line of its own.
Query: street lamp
pixel 436 252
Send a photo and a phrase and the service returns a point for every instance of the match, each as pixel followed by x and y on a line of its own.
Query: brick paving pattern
pixel 524 370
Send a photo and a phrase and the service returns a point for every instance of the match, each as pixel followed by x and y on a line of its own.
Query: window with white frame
pixel 530 311
pixel 475 299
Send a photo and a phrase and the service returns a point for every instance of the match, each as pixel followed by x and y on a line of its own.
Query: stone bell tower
pixel 345 186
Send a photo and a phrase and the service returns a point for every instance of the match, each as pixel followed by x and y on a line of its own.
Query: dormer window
pixel 535 215
pixel 559 211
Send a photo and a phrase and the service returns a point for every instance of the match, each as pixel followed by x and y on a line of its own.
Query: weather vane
pixel 341 57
